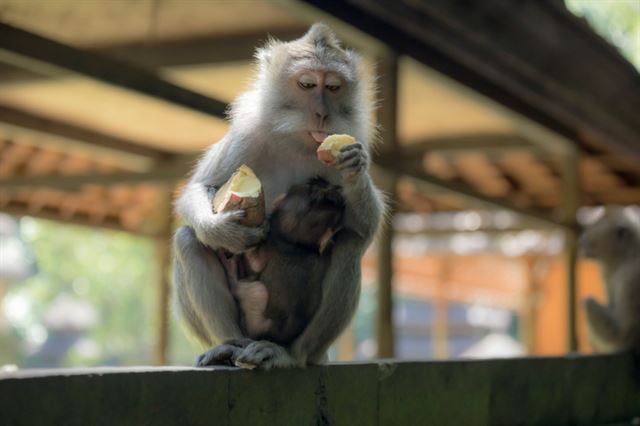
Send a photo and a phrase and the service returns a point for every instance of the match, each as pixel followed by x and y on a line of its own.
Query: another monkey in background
pixel 614 241
pixel 283 289
pixel 305 90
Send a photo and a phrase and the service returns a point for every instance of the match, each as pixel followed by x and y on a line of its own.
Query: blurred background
pixel 507 125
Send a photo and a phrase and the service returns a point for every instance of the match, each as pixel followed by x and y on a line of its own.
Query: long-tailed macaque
pixel 305 90
pixel 278 284
pixel 614 241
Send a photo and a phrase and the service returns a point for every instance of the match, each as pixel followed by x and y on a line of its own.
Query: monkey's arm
pixel 365 205
pixel 216 230
pixel 341 286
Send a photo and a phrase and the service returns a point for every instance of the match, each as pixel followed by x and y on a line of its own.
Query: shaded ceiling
pixel 207 47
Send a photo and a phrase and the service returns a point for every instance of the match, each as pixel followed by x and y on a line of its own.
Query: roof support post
pixel 387 116
pixel 162 246
pixel 571 202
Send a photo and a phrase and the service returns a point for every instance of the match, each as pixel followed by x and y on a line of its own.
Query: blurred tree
pixel 93 301
pixel 618 21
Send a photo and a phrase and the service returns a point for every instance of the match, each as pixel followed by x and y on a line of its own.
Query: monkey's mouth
pixel 319 136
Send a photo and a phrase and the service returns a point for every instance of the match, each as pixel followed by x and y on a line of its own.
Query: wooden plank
pixel 162 247
pixel 164 171
pixel 48 129
pixel 483 142
pixel 576 390
pixel 387 116
pixel 44 56
pixel 196 51
pixel 408 168
pixel 157 54
pixel 571 201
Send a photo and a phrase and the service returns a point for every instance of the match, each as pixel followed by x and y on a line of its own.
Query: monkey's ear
pixel 276 203
pixel 321 35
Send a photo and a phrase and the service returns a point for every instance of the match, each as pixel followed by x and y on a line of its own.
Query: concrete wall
pixel 585 390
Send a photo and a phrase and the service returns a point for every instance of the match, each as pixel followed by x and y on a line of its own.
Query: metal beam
pixel 43 56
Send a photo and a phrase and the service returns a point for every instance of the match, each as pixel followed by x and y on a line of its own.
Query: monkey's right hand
pixel 224 231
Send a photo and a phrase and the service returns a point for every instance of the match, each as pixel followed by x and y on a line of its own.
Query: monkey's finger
pixel 351 163
pixel 239 343
pixel 234 215
pixel 348 155
pixel 352 147
pixel 220 355
pixel 256 353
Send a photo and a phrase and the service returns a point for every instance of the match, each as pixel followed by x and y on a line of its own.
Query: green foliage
pixel 618 21
pixel 112 272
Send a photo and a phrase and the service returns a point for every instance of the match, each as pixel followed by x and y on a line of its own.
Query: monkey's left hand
pixel 353 162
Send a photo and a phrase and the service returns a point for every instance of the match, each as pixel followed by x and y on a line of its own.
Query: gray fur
pixel 614 241
pixel 273 141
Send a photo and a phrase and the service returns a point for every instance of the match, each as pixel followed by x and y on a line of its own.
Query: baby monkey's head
pixel 309 214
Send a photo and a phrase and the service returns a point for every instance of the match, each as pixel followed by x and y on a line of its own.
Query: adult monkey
pixel 305 89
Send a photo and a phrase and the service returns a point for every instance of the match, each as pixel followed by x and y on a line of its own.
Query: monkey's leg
pixel 203 294
pixel 253 298
pixel 602 325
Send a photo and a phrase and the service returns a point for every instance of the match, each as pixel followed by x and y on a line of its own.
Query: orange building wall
pixel 500 281
pixel 550 311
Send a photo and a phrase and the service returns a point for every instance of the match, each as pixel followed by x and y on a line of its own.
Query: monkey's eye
pixel 306 85
pixel 333 87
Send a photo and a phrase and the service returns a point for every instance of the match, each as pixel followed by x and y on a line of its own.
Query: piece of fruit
pixel 243 191
pixel 330 148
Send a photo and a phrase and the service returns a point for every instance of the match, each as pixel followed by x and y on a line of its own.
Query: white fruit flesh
pixel 243 184
pixel 335 143
pixel 330 148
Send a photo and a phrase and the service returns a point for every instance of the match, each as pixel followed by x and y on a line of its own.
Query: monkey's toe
pixel 265 355
pixel 220 355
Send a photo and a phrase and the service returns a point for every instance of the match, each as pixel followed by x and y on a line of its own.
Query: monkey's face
pixel 322 98
pixel 615 234
pixel 315 89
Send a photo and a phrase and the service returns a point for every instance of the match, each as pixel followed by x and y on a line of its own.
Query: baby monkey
pixel 282 288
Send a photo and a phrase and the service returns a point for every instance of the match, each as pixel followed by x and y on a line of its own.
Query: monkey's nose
pixel 322 117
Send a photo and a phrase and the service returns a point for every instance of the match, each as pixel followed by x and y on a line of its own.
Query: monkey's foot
pixel 225 354
pixel 264 355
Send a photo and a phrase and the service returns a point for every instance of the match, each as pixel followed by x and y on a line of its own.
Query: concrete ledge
pixel 581 390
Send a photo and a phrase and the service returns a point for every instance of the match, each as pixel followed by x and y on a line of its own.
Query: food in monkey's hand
pixel 329 149
pixel 243 191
